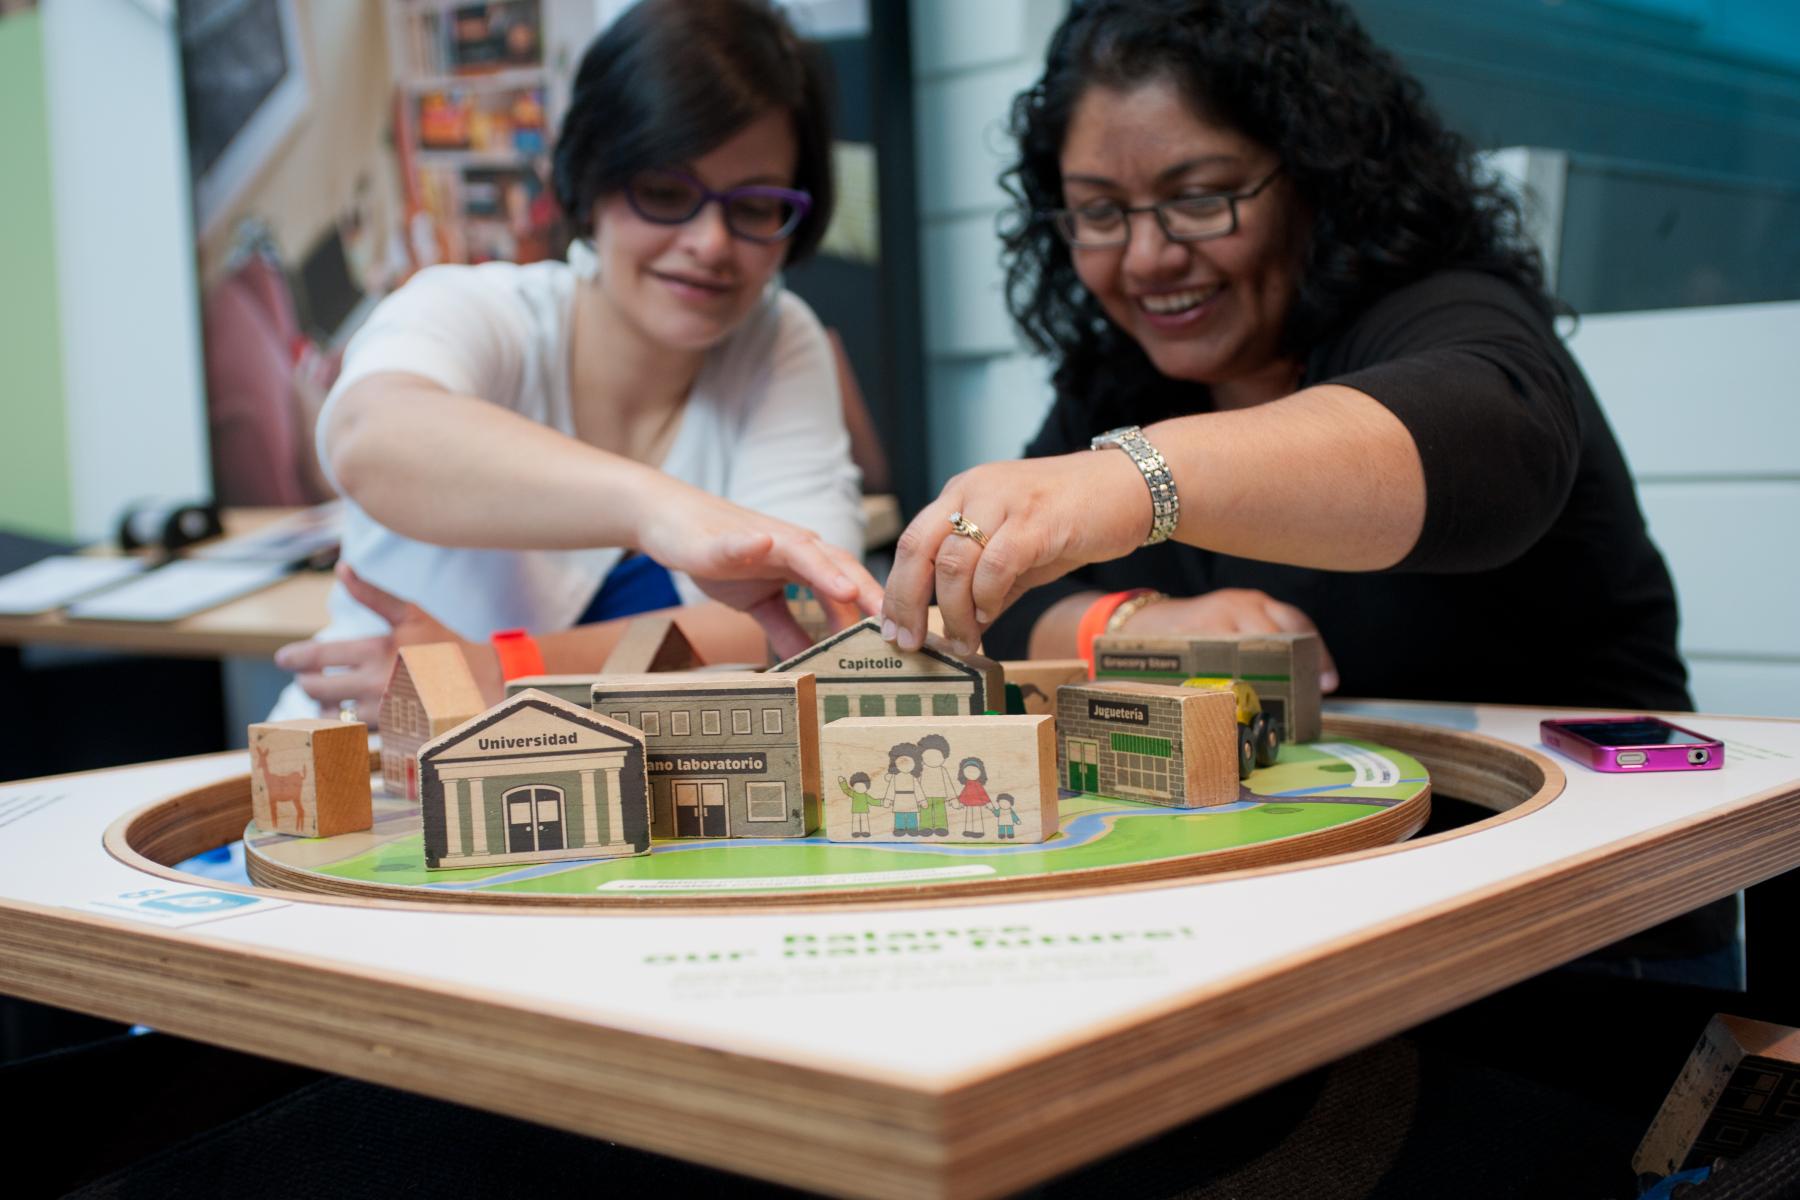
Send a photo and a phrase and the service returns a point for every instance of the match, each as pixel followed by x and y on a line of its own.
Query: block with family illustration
pixel 951 780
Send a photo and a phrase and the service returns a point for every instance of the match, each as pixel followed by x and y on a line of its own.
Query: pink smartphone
pixel 1632 744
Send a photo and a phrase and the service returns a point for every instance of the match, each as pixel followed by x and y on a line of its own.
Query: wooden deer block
pixel 651 644
pixel 1741 1084
pixel 950 781
pixel 1165 745
pixel 1037 680
pixel 1282 667
pixel 431 691
pixel 310 778
pixel 729 754
pixel 533 779
pixel 862 675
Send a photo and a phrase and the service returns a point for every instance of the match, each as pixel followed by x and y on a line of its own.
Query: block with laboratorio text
pixel 533 779
pixel 729 754
pixel 310 778
pixel 1174 746
pixel 948 781
pixel 861 674
pixel 1282 667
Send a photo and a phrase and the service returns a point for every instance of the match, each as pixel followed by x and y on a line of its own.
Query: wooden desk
pixel 910 1049
pixel 254 626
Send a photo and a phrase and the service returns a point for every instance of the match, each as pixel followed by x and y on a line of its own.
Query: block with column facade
pixel 533 779
pixel 729 754
pixel 310 777
pixel 1147 741
pixel 1282 667
pixel 861 675
pixel 951 780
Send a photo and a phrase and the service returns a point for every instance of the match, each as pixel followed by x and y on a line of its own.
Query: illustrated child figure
pixel 1006 814
pixel 973 797
pixel 934 817
pixel 900 789
pixel 857 788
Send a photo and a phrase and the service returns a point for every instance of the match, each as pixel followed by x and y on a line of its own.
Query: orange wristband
pixel 1093 623
pixel 519 654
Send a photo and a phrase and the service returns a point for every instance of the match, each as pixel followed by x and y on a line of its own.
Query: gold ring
pixel 969 529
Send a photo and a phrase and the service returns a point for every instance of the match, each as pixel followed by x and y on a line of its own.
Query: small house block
pixel 651 644
pixel 1151 742
pixel 431 691
pixel 310 778
pixel 533 779
pixel 952 780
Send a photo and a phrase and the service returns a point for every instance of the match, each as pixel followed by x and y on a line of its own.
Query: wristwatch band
pixel 1165 505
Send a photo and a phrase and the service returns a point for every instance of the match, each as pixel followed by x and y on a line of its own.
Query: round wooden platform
pixel 1281 822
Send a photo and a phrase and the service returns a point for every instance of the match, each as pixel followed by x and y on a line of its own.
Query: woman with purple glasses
pixel 654 423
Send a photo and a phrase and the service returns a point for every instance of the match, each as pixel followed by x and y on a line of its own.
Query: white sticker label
pixel 784 882
pixel 176 907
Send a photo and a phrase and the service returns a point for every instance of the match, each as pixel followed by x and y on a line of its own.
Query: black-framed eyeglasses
pixel 756 214
pixel 1101 223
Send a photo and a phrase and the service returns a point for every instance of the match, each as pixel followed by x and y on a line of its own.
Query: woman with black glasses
pixel 1312 353
pixel 654 423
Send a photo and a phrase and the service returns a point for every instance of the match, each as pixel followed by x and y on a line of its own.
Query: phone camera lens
pixel 1698 756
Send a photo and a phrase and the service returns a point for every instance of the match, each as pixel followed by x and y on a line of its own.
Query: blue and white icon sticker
pixel 175 906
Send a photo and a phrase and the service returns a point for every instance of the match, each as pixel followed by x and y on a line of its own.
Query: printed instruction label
pixel 176 907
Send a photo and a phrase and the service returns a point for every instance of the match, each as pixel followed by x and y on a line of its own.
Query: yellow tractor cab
pixel 1259 740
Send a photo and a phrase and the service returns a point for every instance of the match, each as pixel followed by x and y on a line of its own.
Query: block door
pixel 700 809
pixel 534 819
pixel 1084 765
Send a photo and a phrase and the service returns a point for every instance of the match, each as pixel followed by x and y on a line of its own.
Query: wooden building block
pixel 1283 667
pixel 1741 1084
pixel 861 675
pixel 1037 680
pixel 576 689
pixel 310 778
pixel 533 779
pixel 729 754
pixel 430 691
pixel 651 644
pixel 1164 745
pixel 952 780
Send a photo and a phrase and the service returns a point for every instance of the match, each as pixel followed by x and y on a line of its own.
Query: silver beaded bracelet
pixel 1165 505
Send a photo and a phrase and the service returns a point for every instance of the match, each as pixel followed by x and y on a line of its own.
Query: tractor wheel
pixel 1246 752
pixel 1266 736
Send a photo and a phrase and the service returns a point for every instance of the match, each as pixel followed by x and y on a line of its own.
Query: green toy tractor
pixel 1259 739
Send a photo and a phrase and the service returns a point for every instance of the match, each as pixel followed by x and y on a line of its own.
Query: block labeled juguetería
pixel 1165 745
pixel 1282 667
pixel 952 781
pixel 533 779
pixel 730 754
pixel 310 777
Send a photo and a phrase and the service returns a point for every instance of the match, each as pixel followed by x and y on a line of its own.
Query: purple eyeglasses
pixel 756 214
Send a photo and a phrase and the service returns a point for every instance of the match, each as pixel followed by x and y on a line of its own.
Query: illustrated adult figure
pixel 1313 353
pixel 653 423
pixel 936 784
pixel 900 789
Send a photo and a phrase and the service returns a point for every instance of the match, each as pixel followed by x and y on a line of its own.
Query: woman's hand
pixel 1042 517
pixel 746 560
pixel 1228 611
pixel 357 669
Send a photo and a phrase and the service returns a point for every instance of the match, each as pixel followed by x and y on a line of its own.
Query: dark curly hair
pixel 671 80
pixel 1393 195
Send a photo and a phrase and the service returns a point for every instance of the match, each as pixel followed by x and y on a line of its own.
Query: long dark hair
pixel 1393 195
pixel 672 79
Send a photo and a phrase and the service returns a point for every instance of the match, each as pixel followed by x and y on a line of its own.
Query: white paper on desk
pixel 178 590
pixel 53 582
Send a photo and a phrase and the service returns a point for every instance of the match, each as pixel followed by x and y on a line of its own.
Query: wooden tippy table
pixel 957 1049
